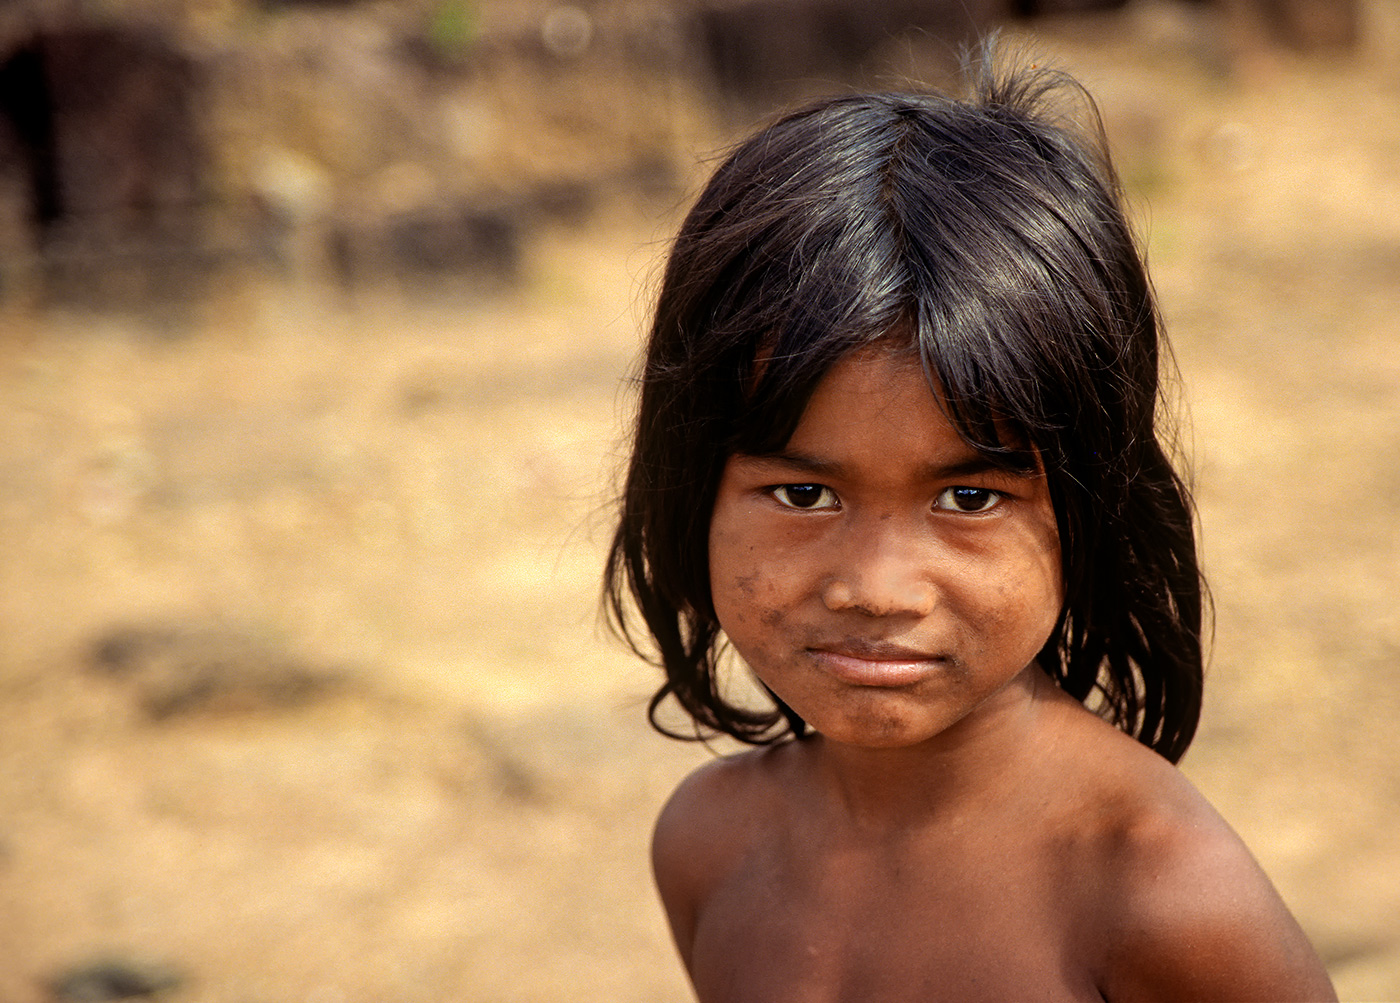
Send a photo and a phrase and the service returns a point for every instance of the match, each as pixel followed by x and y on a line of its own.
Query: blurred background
pixel 315 327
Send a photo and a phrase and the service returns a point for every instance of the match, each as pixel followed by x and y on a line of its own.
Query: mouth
pixel 876 664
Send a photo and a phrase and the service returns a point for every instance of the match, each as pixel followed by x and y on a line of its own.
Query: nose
pixel 883 571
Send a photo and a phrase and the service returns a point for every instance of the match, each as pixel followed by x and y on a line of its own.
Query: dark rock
pixel 481 242
pixel 175 671
pixel 104 979
pixel 102 140
pixel 293 4
pixel 758 50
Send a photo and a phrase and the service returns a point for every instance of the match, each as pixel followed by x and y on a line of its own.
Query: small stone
pixel 107 979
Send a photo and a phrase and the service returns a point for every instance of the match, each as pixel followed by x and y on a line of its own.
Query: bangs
pixel 974 391
pixel 988 368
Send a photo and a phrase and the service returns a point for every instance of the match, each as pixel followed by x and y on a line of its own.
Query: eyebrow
pixel 975 465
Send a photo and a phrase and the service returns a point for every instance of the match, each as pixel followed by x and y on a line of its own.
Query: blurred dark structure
pixel 761 49
pixel 142 151
pixel 463 239
pixel 1301 25
pixel 100 144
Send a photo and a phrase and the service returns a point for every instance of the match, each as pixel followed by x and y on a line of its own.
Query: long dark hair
pixel 993 232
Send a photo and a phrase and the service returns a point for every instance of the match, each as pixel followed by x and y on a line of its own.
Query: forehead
pixel 879 399
pixel 875 378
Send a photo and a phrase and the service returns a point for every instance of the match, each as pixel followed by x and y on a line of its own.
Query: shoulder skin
pixel 1194 917
pixel 702 833
pixel 1184 910
pixel 1168 903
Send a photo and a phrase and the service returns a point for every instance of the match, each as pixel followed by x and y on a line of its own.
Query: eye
pixel 805 496
pixel 961 499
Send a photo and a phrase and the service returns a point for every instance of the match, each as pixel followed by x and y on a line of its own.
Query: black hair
pixel 989 233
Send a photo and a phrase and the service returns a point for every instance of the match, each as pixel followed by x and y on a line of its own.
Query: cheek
pixel 736 597
pixel 734 578
pixel 1024 604
pixel 1047 599
pixel 1053 570
pixel 1044 590
pixel 1044 571
pixel 745 587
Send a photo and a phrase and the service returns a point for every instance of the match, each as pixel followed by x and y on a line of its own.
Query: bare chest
pixel 861 928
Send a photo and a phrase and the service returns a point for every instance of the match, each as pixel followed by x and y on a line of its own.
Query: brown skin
pixel 958 828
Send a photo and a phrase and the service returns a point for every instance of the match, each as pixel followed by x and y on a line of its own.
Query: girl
pixel 897 449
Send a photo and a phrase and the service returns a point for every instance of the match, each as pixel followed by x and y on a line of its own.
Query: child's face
pixel 878 575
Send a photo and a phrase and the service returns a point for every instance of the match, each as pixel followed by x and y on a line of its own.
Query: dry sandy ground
pixel 304 696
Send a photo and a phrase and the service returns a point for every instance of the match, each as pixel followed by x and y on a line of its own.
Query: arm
pixel 695 844
pixel 672 871
pixel 1199 920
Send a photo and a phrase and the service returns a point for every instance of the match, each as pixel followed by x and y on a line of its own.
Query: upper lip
pixel 874 651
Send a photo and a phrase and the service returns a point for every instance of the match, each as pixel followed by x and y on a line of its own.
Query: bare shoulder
pixel 1186 912
pixel 704 831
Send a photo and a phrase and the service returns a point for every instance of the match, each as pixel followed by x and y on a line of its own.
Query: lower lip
pixel 870 672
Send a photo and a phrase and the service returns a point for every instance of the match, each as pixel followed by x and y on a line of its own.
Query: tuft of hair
pixel 988 234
